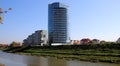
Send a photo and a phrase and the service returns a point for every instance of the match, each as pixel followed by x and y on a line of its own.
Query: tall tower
pixel 57 23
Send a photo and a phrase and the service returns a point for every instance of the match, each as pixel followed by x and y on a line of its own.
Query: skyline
pixel 88 19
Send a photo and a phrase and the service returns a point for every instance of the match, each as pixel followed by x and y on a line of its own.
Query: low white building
pixel 118 41
pixel 39 38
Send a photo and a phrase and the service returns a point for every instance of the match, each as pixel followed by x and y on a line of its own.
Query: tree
pixel 14 44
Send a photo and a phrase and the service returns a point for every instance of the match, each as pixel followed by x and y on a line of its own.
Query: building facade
pixel 57 23
pixel 118 41
pixel 37 38
pixel 41 37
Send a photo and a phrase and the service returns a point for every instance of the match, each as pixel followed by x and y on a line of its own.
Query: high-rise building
pixel 57 23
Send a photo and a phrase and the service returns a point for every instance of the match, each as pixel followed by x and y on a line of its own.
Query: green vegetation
pixel 91 52
pixel 14 44
pixel 11 45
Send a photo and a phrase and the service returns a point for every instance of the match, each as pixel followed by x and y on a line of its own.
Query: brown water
pixel 21 60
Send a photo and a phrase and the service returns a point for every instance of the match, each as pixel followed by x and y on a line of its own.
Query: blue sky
pixel 87 18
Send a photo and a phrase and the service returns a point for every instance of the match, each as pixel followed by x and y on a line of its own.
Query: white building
pixel 37 38
pixel 118 41
pixel 40 37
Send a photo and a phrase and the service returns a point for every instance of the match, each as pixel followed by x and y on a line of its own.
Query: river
pixel 10 59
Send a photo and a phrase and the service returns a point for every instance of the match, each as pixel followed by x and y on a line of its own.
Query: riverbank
pixel 2 64
pixel 109 53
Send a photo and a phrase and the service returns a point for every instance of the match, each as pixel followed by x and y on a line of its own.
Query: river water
pixel 10 59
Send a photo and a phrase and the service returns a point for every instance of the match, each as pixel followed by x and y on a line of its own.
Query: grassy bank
pixel 94 53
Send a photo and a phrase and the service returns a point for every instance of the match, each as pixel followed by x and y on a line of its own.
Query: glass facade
pixel 57 23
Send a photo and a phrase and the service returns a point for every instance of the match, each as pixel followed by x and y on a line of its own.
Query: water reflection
pixel 82 63
pixel 45 61
pixel 36 61
pixel 21 60
pixel 56 62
